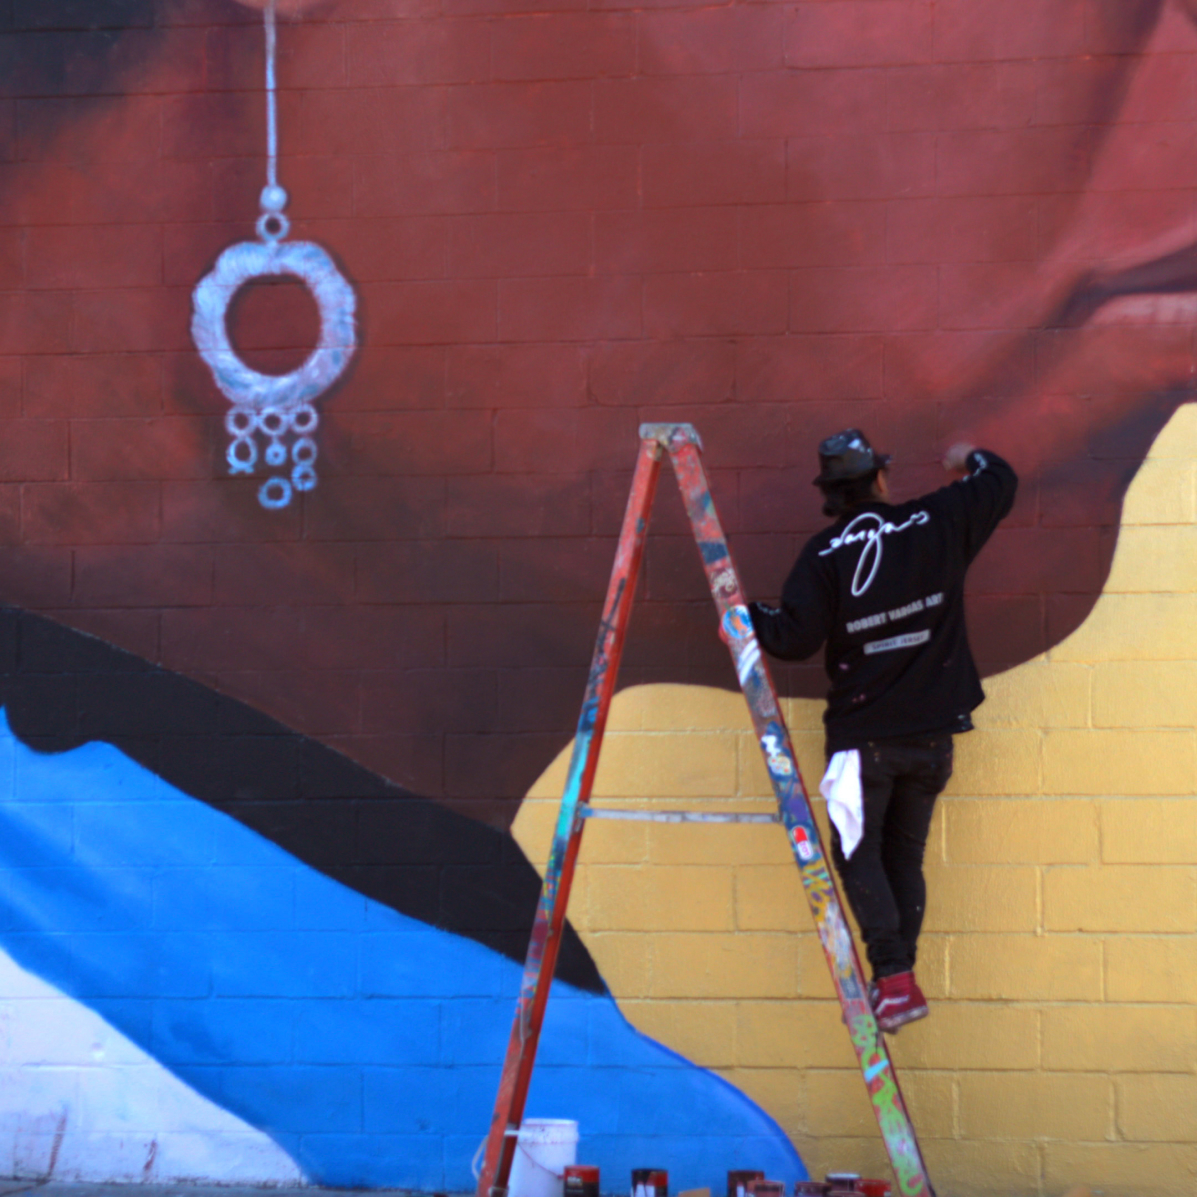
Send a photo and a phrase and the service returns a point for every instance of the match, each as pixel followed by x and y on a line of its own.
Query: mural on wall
pixel 550 224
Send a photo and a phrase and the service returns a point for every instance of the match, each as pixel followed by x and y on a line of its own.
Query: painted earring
pixel 278 410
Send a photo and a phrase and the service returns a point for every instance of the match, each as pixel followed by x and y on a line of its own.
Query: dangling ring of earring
pixel 335 300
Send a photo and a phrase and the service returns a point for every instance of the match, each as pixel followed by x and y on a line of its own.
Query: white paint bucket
pixel 545 1148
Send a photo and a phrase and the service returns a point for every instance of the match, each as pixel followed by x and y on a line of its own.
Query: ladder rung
pixel 673 816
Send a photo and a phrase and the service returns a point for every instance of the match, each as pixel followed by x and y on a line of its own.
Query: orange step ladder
pixel 682 444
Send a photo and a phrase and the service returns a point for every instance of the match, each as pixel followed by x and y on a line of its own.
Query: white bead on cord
pixel 274 407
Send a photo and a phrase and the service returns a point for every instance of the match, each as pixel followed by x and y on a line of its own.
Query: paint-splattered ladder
pixel 682 444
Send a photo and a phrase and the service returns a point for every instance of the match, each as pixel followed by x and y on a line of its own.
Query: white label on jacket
pixel 907 641
pixel 873 621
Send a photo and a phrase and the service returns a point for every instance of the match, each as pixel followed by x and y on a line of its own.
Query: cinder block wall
pixel 1060 947
pixel 559 219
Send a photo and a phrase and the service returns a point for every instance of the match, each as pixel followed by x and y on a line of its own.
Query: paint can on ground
pixel 545 1148
pixel 767 1188
pixel 650 1182
pixel 843 1182
pixel 581 1180
pixel 873 1188
pixel 739 1180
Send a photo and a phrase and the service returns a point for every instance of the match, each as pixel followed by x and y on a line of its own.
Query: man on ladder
pixel 883 588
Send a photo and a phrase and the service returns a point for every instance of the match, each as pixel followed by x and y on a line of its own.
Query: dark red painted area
pixel 771 220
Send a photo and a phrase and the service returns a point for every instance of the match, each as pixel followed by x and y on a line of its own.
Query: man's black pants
pixel 883 880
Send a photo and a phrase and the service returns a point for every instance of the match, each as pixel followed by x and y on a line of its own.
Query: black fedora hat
pixel 848 456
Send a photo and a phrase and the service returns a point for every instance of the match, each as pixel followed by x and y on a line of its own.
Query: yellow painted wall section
pixel 1060 948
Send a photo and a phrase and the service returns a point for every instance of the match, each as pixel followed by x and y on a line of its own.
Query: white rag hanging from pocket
pixel 845 800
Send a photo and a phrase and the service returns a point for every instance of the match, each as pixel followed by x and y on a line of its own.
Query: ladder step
pixel 672 816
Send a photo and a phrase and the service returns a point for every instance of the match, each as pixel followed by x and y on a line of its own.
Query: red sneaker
pixel 899 1001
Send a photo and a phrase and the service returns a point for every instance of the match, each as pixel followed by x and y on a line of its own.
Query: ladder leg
pixel 794 805
pixel 541 961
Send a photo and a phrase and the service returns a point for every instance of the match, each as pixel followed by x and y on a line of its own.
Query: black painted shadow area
pixel 62 688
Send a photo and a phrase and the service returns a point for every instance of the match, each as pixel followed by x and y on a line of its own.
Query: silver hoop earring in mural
pixel 277 410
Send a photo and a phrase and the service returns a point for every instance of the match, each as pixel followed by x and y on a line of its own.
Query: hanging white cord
pixel 271 104
pixel 273 224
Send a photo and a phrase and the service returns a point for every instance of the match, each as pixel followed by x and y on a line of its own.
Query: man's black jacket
pixel 884 588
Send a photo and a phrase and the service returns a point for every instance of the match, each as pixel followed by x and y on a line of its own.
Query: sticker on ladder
pixel 776 757
pixel 802 844
pixel 737 623
pixel 725 582
pixel 748 657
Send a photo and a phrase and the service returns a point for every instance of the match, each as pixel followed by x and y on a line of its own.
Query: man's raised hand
pixel 956 458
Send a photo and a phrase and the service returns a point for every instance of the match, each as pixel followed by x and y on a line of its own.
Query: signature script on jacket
pixel 870 528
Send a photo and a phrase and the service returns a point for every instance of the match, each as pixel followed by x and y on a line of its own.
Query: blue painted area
pixel 367 1044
